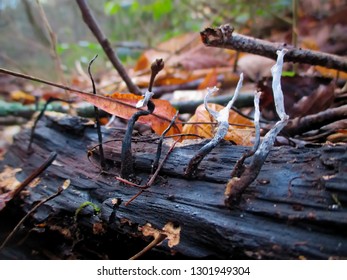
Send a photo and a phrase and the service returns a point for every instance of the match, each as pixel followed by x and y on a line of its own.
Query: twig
pixel 300 125
pixel 97 118
pixel 245 100
pixel 224 37
pixel 86 95
pixel 53 42
pixel 60 190
pixel 152 178
pixel 160 238
pixel 89 19
pixel 160 143
pixel 35 173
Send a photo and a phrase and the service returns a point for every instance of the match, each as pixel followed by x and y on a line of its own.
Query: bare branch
pixel 90 20
pixel 224 37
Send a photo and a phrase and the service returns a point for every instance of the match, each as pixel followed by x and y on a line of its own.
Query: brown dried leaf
pixel 171 232
pixel 8 181
pixel 302 96
pixel 240 135
pixel 123 105
pixel 210 80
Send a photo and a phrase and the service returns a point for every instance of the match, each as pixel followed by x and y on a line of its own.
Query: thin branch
pixel 10 195
pixel 224 37
pixel 245 100
pixel 83 93
pixel 160 238
pixel 160 143
pixel 151 179
pixel 90 20
pixel 53 43
pixel 60 190
pixel 300 125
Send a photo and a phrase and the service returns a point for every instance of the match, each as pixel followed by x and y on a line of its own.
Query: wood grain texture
pixel 295 208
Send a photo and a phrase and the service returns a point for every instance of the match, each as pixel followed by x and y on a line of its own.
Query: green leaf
pixel 62 48
pixel 161 7
pixel 135 6
pixel 111 8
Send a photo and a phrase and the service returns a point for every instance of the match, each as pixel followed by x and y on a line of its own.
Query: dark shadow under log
pixel 296 208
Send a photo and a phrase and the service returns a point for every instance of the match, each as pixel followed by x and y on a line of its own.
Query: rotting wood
pixel 294 209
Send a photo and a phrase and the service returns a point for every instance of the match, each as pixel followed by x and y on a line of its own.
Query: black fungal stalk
pixel 97 118
pixel 127 162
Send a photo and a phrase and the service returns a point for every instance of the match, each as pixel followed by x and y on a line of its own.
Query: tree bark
pixel 294 209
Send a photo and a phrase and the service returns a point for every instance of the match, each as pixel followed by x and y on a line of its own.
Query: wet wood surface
pixel 295 209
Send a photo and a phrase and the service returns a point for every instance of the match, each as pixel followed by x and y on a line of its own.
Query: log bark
pixel 294 209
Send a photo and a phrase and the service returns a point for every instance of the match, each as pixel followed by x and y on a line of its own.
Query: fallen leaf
pixel 173 234
pixel 210 80
pixel 123 105
pixel 330 73
pixel 8 180
pixel 302 96
pixel 8 183
pixel 240 135
pixel 171 231
pixel 22 97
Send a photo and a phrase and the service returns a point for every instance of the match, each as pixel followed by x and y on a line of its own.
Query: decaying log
pixel 295 208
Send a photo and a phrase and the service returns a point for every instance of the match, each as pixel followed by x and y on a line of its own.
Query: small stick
pixel 35 173
pixel 60 190
pixel 160 144
pixel 151 180
pixel 97 118
pixel 53 43
pixel 224 37
pixel 90 20
pixel 160 238
pixel 86 95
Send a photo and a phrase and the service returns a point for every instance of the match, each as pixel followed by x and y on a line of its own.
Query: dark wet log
pixel 295 208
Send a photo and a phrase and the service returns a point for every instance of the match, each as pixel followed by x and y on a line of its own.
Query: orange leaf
pixel 22 97
pixel 241 135
pixel 142 63
pixel 123 105
pixel 210 80
pixel 331 73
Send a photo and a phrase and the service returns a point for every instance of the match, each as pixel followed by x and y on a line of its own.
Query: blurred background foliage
pixel 130 25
